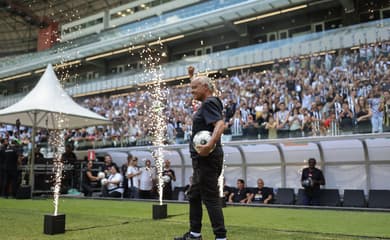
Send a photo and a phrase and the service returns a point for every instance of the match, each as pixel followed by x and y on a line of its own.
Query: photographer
pixel 312 178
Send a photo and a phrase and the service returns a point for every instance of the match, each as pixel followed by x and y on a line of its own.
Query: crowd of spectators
pixel 339 92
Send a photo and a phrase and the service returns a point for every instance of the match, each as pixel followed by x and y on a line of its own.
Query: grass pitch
pixel 105 219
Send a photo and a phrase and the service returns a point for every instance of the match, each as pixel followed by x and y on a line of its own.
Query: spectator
pixel 282 124
pixel 241 194
pixel 180 132
pixel 39 158
pixel 386 112
pixel 295 121
pixel 376 104
pixel 107 165
pixel 147 177
pixel 270 126
pixel 236 123
pixel 318 117
pixel 307 124
pixel 230 109
pixel 346 119
pixel 113 186
pixel 89 180
pixel 261 194
pixel 69 158
pixel 262 120
pixel 250 129
pixel 125 184
pixel 363 116
pixel 133 173
pixel 311 180
pixel 330 123
pixel 171 132
pixel 171 177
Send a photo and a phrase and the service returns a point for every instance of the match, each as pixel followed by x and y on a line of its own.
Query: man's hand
pixel 204 150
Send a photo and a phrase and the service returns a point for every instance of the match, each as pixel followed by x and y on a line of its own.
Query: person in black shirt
pixel 167 190
pixel 346 119
pixel 241 194
pixel 89 180
pixel 261 194
pixel 69 158
pixel 311 180
pixel 10 160
pixel 2 165
pixel 107 165
pixel 207 161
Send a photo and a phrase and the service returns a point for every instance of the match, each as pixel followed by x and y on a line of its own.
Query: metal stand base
pixel 54 224
pixel 160 211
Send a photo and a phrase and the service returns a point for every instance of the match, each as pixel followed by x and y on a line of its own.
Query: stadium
pixel 110 82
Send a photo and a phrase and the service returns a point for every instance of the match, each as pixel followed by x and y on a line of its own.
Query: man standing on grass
pixel 312 178
pixel 207 161
pixel 10 159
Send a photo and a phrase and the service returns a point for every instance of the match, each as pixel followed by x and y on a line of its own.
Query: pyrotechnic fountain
pixel 55 223
pixel 152 73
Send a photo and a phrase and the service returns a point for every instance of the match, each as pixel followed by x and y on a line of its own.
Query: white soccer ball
pixel 166 178
pixel 101 175
pixel 202 138
pixel 104 181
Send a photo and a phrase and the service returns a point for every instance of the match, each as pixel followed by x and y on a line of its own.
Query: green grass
pixel 102 219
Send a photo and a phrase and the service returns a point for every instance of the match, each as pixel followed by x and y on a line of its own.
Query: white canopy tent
pixel 47 105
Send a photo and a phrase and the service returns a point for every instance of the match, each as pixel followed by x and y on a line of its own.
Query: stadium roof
pixel 20 20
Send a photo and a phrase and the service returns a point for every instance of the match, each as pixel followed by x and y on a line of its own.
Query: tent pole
pixel 32 177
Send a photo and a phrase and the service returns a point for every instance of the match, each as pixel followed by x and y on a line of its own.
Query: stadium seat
pixel 300 197
pixel 330 197
pixel 285 196
pixel 379 199
pixel 354 198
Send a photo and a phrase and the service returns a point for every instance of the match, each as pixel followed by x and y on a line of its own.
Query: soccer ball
pixel 307 183
pixel 104 181
pixel 101 175
pixel 166 179
pixel 202 138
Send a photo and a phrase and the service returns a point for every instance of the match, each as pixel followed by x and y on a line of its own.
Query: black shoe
pixel 188 236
